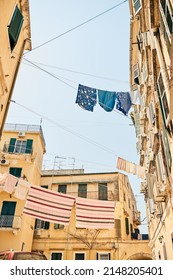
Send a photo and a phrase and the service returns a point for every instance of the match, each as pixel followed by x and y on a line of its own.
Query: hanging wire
pixel 76 27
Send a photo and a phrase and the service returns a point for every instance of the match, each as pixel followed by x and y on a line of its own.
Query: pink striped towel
pixel 10 183
pixel 96 214
pixel 49 205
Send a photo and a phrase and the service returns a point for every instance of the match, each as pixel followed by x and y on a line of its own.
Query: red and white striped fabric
pixel 49 205
pixel 9 183
pixel 121 164
pixel 96 214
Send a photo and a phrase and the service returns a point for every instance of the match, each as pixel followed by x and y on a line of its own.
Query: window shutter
pixel 11 146
pixel 15 171
pixel 29 146
pixel 167 149
pixel 15 27
pixel 127 225
pixel 46 226
pixel 137 5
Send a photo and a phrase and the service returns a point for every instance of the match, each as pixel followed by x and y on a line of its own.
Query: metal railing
pixel 9 221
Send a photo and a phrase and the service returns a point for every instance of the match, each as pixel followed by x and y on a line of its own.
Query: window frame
pixel 102 194
pixel 55 252
pixel 79 253
pixel 82 193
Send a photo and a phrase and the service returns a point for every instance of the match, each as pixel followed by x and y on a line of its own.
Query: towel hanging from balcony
pixel 22 189
pixel 10 183
pixel 96 214
pixel 49 205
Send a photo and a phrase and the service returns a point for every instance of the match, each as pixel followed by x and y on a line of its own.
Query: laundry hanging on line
pixel 94 213
pixel 48 205
pixel 87 99
pixel 130 167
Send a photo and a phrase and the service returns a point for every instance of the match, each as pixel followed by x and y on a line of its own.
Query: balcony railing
pixel 9 221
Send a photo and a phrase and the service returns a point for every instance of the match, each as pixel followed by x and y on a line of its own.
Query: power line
pixel 77 26
pixel 57 77
pixel 68 130
pixel 78 72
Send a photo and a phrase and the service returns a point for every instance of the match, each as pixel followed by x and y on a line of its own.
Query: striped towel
pixel 49 205
pixel 121 164
pixel 96 214
pixel 9 183
pixel 22 189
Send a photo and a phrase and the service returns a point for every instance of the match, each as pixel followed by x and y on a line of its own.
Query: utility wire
pixel 77 26
pixel 57 77
pixel 78 72
pixel 68 130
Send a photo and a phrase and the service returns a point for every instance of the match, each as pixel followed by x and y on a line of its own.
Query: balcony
pixel 10 222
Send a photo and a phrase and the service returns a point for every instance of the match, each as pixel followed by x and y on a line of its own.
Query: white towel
pixel 22 189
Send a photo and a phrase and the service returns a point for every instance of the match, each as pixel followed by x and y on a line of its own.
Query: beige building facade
pixel 122 242
pixel 21 154
pixel 15 39
pixel 151 61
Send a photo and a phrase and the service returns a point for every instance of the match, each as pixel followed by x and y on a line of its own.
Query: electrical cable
pixel 77 26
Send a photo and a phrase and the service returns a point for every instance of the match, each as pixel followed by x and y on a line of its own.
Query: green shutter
pixel 15 171
pixel 167 149
pixel 29 146
pixel 46 226
pixel 8 208
pixel 11 146
pixel 15 27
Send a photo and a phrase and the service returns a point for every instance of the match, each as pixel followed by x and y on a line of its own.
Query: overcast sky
pixel 96 55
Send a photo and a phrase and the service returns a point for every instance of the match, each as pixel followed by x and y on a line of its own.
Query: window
pixel 62 188
pixel 56 256
pixel 15 27
pixel 103 256
pixel 136 74
pixel 44 187
pixel 15 171
pixel 127 225
pixel 39 224
pixel 162 98
pixel 58 226
pixel 167 149
pixel 137 5
pixel 103 192
pixel 20 146
pixel 166 14
pixel 7 213
pixel 79 256
pixel 82 190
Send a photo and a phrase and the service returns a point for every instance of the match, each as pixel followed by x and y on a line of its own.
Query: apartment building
pixel 151 65
pixel 15 39
pixel 123 241
pixel 21 155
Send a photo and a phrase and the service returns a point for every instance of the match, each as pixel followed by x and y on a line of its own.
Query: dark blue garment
pixel 106 99
pixel 123 102
pixel 86 97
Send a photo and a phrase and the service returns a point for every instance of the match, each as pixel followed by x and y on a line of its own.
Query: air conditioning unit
pixel 21 134
pixel 37 232
pixel 4 162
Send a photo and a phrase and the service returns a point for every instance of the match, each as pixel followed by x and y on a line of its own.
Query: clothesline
pixel 87 99
pixel 130 167
pixel 52 206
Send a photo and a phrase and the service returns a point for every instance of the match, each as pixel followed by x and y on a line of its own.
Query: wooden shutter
pixel 11 145
pixel 46 226
pixel 29 146
pixel 15 171
pixel 127 225
pixel 15 27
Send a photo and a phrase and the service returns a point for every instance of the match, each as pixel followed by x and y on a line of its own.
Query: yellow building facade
pixel 151 76
pixel 15 39
pixel 21 154
pixel 122 242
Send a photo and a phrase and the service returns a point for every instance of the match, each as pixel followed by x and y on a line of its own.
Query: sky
pixel 95 54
